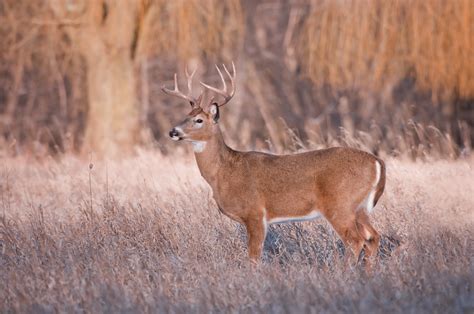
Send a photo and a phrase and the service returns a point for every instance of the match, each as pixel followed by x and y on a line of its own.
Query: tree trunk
pixel 113 117
pixel 107 33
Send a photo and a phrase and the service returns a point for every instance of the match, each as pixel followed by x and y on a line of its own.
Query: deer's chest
pixel 234 200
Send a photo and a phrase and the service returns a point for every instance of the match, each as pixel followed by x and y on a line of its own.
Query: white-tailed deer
pixel 257 189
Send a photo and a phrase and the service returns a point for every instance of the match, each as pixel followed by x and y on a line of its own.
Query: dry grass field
pixel 144 235
pixel 88 232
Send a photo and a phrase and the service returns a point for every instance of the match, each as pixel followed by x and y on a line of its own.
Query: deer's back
pixel 310 180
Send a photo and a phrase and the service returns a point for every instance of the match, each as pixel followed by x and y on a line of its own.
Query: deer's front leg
pixel 256 232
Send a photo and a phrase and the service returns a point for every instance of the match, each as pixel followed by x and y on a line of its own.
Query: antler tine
pixel 176 82
pixel 224 86
pixel 232 78
pixel 233 70
pixel 190 79
pixel 176 92
pixel 224 92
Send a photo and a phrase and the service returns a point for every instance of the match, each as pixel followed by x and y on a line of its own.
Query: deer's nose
pixel 174 133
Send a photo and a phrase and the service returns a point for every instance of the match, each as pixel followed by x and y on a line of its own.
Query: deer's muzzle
pixel 176 134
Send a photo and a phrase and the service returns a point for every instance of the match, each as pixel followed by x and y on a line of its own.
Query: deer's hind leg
pixel 346 228
pixel 368 232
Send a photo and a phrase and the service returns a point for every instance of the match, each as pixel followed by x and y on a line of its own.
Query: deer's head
pixel 200 124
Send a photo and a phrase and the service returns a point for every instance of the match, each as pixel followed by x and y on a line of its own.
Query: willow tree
pixel 114 35
pixel 107 34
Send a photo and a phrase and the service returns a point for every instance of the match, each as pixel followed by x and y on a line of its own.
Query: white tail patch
pixel 368 203
pixel 378 168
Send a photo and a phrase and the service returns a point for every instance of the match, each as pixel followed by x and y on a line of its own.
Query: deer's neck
pixel 211 155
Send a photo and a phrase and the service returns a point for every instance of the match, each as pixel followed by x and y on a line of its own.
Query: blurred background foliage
pixel 389 76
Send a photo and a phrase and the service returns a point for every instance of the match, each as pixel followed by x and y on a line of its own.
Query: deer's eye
pixel 199 121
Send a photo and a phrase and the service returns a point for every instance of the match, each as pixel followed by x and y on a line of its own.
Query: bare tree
pixel 107 35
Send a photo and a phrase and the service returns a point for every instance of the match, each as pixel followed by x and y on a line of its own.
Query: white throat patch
pixel 199 146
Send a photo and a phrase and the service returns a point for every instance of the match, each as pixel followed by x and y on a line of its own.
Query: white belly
pixel 312 215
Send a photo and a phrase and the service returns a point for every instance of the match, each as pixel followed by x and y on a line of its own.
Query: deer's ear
pixel 214 111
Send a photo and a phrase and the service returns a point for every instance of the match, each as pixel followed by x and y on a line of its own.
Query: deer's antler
pixel 176 92
pixel 224 92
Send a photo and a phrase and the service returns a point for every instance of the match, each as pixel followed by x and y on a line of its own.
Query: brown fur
pixel 253 188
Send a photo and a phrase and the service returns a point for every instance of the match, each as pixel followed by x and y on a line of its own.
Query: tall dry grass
pixel 144 235
pixel 378 43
